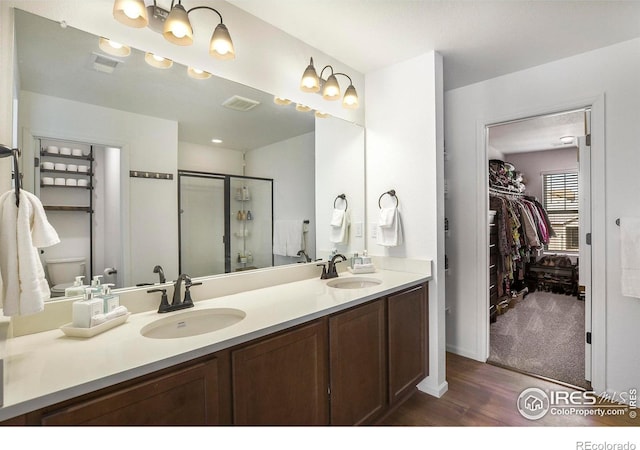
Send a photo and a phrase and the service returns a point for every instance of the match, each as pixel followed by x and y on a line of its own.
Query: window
pixel 560 192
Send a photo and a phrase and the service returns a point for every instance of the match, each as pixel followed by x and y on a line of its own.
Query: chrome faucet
pixel 330 271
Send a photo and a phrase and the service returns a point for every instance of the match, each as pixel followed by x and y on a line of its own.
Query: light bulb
pixel 115 45
pixel 158 58
pixel 132 11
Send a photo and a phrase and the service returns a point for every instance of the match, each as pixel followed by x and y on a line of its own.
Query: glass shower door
pixel 202 224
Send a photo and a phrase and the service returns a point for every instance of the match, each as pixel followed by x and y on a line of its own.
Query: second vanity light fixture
pixel 173 24
pixel 311 82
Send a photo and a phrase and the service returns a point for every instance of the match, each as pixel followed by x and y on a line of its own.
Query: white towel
pixel 337 218
pixel 340 235
pixel 391 236
pixel 630 256
pixel 22 231
pixel 387 216
pixel 287 237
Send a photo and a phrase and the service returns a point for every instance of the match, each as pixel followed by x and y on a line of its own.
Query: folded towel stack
pixel 389 228
pixel 102 318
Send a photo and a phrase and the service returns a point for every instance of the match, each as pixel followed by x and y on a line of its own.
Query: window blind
pixel 560 199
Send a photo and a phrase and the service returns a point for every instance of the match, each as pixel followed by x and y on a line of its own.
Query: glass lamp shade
pixel 131 12
pixel 350 99
pixel 331 89
pixel 221 45
pixel 310 81
pixel 302 108
pixel 177 28
pixel 281 101
pixel 321 115
pixel 157 61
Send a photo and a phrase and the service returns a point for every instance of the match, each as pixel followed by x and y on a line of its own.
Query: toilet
pixel 63 272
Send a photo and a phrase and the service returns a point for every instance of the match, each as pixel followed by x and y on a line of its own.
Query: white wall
pixel 534 164
pixel 339 170
pixel 7 79
pixel 148 144
pixel 203 158
pixel 609 75
pixel 291 165
pixel 405 152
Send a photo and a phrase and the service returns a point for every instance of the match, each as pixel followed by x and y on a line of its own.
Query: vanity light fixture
pixel 321 115
pixel 311 82
pixel 198 74
pixel 302 108
pixel 113 48
pixel 174 24
pixel 157 61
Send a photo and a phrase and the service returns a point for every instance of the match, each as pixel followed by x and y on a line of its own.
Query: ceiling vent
pixel 105 64
pixel 240 103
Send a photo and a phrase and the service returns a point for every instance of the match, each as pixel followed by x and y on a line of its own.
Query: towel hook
pixel 343 197
pixel 17 176
pixel 391 193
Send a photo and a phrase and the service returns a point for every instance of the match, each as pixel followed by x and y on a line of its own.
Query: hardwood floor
pixel 484 395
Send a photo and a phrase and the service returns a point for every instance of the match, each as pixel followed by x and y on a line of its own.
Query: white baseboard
pixel 435 391
pixel 464 352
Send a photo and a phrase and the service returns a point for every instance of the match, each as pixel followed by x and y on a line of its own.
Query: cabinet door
pixel 358 364
pixel 187 396
pixel 282 380
pixel 408 350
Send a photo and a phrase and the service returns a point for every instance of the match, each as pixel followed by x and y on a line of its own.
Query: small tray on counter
pixel 72 331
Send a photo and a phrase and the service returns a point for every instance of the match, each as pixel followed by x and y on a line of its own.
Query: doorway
pixel 539 265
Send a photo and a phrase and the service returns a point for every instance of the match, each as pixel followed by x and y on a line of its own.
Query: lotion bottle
pixel 77 288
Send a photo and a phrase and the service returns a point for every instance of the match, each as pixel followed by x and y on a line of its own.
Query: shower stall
pixel 225 223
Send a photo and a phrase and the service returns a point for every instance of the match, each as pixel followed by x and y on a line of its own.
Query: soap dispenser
pixel 96 287
pixel 84 310
pixel 77 288
pixel 110 300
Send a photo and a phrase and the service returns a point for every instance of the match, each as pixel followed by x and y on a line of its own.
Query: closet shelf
pixel 66 172
pixel 58 155
pixel 68 208
pixel 65 186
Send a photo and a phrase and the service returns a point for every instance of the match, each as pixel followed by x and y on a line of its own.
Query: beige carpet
pixel 543 334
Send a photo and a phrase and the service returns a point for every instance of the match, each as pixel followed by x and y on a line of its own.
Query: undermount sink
pixel 192 323
pixel 353 283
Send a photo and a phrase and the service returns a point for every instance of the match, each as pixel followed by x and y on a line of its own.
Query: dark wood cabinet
pixel 407 344
pixel 188 395
pixel 348 368
pixel 358 364
pixel 283 380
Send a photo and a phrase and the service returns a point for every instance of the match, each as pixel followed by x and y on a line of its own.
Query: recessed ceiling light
pixel 216 141
pixel 157 61
pixel 281 101
pixel 567 139
pixel 113 48
pixel 198 74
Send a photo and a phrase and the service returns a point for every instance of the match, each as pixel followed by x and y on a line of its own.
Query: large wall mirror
pixel 145 128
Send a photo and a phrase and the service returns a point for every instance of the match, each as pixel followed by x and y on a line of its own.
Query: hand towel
pixel 387 216
pixel 287 237
pixel 340 235
pixel 630 256
pixel 391 236
pixel 337 217
pixel 23 230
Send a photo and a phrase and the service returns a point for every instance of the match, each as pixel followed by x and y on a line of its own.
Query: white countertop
pixel 48 367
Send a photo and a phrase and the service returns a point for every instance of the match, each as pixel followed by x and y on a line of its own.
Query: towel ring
pixel 391 193
pixel 343 197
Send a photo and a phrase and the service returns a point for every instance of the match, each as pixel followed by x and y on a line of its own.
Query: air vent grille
pixel 105 64
pixel 240 103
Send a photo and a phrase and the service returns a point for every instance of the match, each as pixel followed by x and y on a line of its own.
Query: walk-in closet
pixel 536 296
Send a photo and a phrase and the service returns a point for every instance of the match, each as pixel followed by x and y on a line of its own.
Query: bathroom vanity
pixel 306 353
